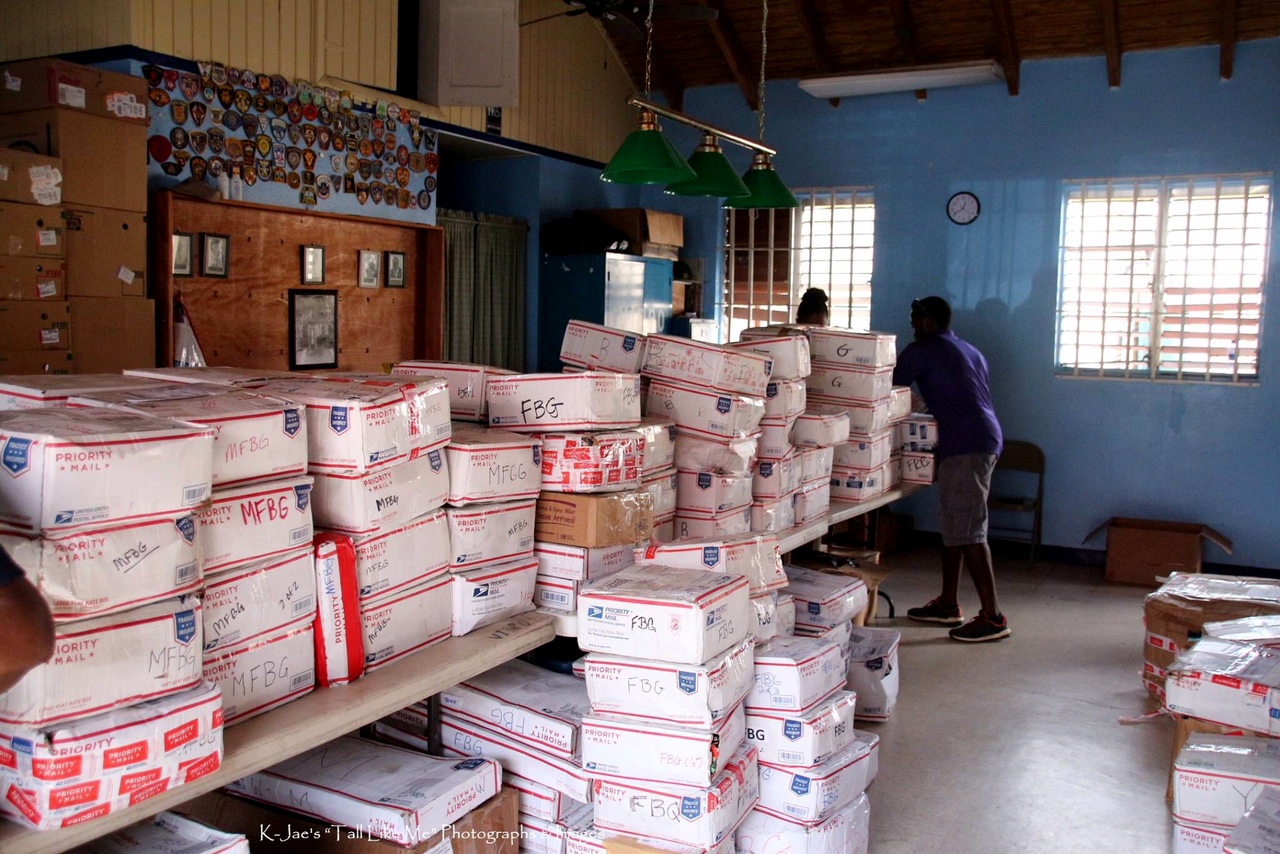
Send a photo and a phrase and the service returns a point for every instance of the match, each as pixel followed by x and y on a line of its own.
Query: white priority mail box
pixel 1263 630
pixel 784 400
pixel 233 377
pixel 1191 837
pixel 248 523
pixel 339 640
pixel 847 830
pixel 391 560
pixel 255 438
pixel 864 418
pixel 581 564
pixel 560 593
pixel 585 838
pixel 842 633
pixel 786 614
pixel 466 384
pixel 69 467
pixel 672 813
pixel 794 673
pixel 776 479
pixel 463 738
pixel 1257 831
pixel 1216 778
pixel 491 593
pixel 392 793
pixel 816 463
pixel 490 533
pixel 824 599
pixel 538 801
pixel 755 557
pixel 803 740
pixel 689 695
pixel 492 465
pixel 251 600
pixel 639 751
pixel 865 452
pixel 602 348
pixel 707 365
pixel 726 456
pixel 873 671
pixel 383 498
pixel 662 485
pixel 261 674
pixel 919 468
pixel 916 433
pixel 709 494
pixel 710 414
pixel 663 613
pixel 766 608
pixel 354 425
pixel 589 401
pixel 542 709
pixel 850 484
pixel 1226 682
pixel 814 794
pixel 789 354
pixel 37 391
pixel 699 526
pixel 820 429
pixel 659 443
pixel 107 662
pixel 88 572
pixel 812 501
pixel 773 517
pixel 405 621
pixel 899 402
pixel 599 461
pixel 775 438
pixel 835 346
pixel 170 833
pixel 541 837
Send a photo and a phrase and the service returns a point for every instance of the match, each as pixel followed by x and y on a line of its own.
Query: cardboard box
pixel 784 400
pixel 594 521
pixel 922 468
pixel 106 252
pixel 664 529
pixel 1190 837
pixel 32 231
pixel 462 738
pixel 899 402
pixel 834 346
pixel 492 465
pixel 824 600
pixel 339 636
pixel 383 498
pixel 684 616
pixel 589 839
pixel 94 571
pixel 1226 682
pixel 775 438
pixel 37 83
pixel 30 178
pixel 242 524
pixel 841 633
pixel 775 480
pixel 1257 831
pixel 736 456
pixel 754 557
pixel 592 462
pixel 348 782
pixel 646 230
pixel 820 429
pixel 70 467
pixel 405 621
pixel 232 377
pixel 492 593
pixel 113 334
pixel 814 794
pixel 816 463
pixel 735 523
pixel 916 433
pixel 261 674
pixel 710 414
pixel 259 598
pixel 703 493
pixel 873 671
pixel 803 740
pixel 466 381
pixel 602 348
pixel 793 674
pixel 766 626
pixel 659 444
pixel 490 533
pixel 708 366
pixel 538 801
pixel 786 615
pixel 40 392
pixel 864 418
pixel 104 161
pixel 535 706
pixel 561 593
pixel 108 662
pixel 393 560
pixel 663 487
pixel 813 501
pixel 857 484
pixel 30 325
pixel 593 400
pixel 850 384
pixel 773 517
pixel 1141 551
pixel 865 452
pixel 789 355
pixel 1216 779
pixel 33 362
pixel 847 830
pixel 660 753
pixel 170 831
pixel 578 564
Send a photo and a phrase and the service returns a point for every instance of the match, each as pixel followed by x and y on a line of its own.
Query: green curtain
pixel 485 288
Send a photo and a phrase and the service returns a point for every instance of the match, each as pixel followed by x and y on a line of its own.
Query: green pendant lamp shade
pixel 646 156
pixel 715 175
pixel 766 188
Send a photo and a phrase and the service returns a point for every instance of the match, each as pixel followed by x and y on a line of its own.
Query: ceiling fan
pixel 625 19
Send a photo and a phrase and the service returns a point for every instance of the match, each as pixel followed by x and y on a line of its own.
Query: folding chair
pixel 1019 468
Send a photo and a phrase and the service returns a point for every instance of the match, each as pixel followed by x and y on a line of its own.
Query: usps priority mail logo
pixel 595 612
pixel 17 455
pixel 480 592
pixel 468 764
pixel 704 480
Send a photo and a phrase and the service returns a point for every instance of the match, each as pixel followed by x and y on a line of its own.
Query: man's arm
pixel 26 624
pixel 908 366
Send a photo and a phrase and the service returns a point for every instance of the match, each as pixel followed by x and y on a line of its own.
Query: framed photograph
pixel 215 255
pixel 181 253
pixel 313 265
pixel 313 329
pixel 395 269
pixel 370 268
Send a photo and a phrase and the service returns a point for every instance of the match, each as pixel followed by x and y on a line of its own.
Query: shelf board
pixel 321 716
pixel 793 538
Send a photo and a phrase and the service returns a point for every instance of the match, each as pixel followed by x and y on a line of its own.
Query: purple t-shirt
pixel 952 377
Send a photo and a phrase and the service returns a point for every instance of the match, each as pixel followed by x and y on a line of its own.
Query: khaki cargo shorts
pixel 964 482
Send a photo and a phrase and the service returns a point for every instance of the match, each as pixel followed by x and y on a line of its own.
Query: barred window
pixel 1162 278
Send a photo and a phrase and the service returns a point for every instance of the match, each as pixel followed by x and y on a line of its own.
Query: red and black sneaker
pixel 935 612
pixel 982 628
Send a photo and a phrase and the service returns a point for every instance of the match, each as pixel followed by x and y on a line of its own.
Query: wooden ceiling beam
pixel 1111 38
pixel 904 28
pixel 732 51
pixel 811 26
pixel 1227 56
pixel 1010 57
pixel 668 81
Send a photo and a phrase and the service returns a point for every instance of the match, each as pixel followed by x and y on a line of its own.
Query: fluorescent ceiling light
pixel 904 79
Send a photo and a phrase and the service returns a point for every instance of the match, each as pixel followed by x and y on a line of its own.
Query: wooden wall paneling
pixel 160 268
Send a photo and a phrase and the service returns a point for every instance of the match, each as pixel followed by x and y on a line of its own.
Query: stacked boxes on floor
pixel 96 507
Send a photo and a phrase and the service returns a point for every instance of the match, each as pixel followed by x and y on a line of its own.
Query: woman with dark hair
pixel 813 308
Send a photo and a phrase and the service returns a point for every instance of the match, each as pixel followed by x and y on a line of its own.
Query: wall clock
pixel 963 208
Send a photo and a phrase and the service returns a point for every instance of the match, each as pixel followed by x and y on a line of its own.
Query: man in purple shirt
pixel 953 380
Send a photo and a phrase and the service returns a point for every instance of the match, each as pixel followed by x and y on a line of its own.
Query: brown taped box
pixel 36 362
pixel 27 325
pixel 106 252
pixel 594 521
pixel 32 231
pixel 1141 551
pixel 491 828
pixel 32 278
pixel 654 233
pixel 113 335
pixel 16 177
pixel 1174 616
pixel 1185 727
pixel 34 84
pixel 104 161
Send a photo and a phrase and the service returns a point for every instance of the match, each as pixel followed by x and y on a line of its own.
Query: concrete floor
pixel 1014 745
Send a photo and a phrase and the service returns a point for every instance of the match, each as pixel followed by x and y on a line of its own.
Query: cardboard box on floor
pixel 653 233
pixel 1185 727
pixel 1141 551
pixel 29 325
pixel 29 178
pixel 34 84
pixel 32 278
pixel 31 231
pixel 113 335
pixel 106 252
pixel 491 828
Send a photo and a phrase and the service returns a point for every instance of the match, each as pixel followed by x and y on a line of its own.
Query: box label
pixel 338 420
pixel 17 455
pixel 71 96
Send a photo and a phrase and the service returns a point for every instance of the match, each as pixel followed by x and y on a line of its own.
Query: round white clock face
pixel 963 208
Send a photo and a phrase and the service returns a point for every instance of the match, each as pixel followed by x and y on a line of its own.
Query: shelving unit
pixel 321 716
pixel 793 538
